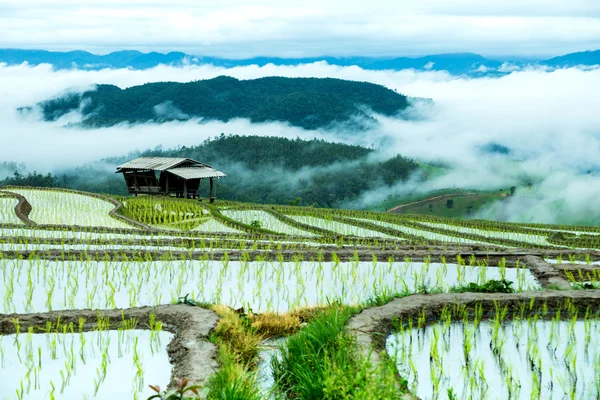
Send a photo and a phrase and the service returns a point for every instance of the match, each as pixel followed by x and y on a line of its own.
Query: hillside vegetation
pixel 259 170
pixel 309 103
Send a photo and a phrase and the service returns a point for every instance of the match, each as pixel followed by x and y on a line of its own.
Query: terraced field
pixel 91 286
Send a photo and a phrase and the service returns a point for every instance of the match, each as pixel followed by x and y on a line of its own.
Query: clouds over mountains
pixel 548 121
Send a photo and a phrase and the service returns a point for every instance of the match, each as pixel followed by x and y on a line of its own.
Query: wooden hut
pixel 176 176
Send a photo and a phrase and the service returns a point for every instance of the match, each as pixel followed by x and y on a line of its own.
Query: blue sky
pixel 237 29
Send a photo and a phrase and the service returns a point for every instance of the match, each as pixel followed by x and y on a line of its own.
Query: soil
pixel 345 254
pixel 580 272
pixel 191 353
pixel 22 209
pixel 546 274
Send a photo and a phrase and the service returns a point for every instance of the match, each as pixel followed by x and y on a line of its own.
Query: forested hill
pixel 258 152
pixel 259 170
pixel 309 103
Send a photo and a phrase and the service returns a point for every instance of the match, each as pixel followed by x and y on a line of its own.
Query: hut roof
pixel 196 172
pixel 185 168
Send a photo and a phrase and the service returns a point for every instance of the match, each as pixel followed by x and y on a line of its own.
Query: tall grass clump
pixel 238 351
pixel 323 361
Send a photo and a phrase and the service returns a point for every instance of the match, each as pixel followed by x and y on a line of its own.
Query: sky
pixel 238 29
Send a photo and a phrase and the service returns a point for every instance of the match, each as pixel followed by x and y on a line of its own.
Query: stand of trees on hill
pixel 309 103
pixel 260 170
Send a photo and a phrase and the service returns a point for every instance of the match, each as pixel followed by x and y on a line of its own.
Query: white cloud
pixel 310 28
pixel 549 120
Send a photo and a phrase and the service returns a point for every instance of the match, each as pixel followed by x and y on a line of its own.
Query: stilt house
pixel 176 176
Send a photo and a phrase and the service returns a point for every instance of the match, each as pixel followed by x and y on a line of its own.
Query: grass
pixel 238 336
pixel 394 200
pixel 323 361
pixel 238 351
pixel 464 206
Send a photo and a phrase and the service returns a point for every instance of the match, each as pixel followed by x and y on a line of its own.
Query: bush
pixel 491 286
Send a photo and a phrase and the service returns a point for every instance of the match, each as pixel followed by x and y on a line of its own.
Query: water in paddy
pixel 265 380
pixel 535 359
pixel 90 365
pixel 42 285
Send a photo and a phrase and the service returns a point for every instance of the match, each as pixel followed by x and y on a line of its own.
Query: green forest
pixel 270 170
pixel 308 103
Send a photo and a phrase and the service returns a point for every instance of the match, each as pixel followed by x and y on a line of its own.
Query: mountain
pixel 309 103
pixel 454 63
pixel 587 58
pixel 84 60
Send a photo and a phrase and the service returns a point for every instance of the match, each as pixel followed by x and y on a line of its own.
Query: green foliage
pixel 579 240
pixel 186 301
pixel 309 103
pixel 34 179
pixel 256 224
pixel 164 211
pixel 267 170
pixel 383 296
pixel 491 286
pixel 232 382
pixel 585 286
pixel 179 393
pixel 322 362
pixel 272 170
pixel 466 203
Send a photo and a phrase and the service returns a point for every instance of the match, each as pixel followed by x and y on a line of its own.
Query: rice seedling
pixel 41 285
pixel 85 364
pixel 66 208
pixel 268 261
pixel 519 357
pixel 7 210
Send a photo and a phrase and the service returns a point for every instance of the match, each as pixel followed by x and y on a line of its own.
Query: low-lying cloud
pixel 548 121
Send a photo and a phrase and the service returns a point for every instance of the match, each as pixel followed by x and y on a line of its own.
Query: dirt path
pixel 443 196
pixel 346 254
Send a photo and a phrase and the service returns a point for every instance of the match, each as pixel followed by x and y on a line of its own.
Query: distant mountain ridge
pixel 309 103
pixel 454 63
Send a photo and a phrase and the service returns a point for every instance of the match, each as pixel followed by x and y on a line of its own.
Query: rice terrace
pixel 105 296
pixel 316 200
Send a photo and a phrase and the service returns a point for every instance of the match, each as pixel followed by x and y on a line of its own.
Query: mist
pixel 547 120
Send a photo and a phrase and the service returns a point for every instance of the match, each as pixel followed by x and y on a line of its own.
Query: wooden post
pixel 166 183
pixel 185 189
pixel 212 190
pixel 146 180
